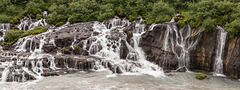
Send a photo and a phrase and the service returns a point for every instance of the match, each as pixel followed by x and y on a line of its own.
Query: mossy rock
pixel 201 76
pixel 63 50
pixel 3 43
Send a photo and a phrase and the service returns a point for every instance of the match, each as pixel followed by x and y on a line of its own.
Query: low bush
pixel 12 36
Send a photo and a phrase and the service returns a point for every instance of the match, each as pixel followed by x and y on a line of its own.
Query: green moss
pixel 59 23
pixel 12 36
pixel 3 43
pixel 38 16
pixel 63 49
pixel 201 76
pixel 77 50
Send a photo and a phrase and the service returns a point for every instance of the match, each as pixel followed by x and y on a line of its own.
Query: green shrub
pixel 201 76
pixel 38 16
pixel 59 23
pixel 4 19
pixel 132 18
pixel 56 19
pixel 3 43
pixel 233 28
pixel 15 20
pixel 161 12
pixel 12 36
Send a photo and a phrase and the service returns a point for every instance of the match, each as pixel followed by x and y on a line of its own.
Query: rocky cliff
pixel 202 55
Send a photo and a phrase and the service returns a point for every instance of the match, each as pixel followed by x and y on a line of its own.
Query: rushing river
pixel 105 81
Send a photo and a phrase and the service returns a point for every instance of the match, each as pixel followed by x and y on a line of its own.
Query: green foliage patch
pixel 205 13
pixel 12 36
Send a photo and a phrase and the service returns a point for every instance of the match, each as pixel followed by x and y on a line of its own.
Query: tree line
pixel 206 13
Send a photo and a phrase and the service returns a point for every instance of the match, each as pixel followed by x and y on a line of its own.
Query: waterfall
pixel 108 42
pixel 179 42
pixel 3 28
pixel 218 64
pixel 27 23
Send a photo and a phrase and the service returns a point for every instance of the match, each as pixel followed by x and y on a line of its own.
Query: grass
pixel 12 36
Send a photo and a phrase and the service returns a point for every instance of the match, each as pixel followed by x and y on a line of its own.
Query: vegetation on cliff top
pixel 12 36
pixel 206 13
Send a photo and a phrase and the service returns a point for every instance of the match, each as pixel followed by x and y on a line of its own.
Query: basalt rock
pixel 152 44
pixel 123 50
pixel 24 67
pixel 64 40
pixel 232 58
pixel 203 56
pixel 49 48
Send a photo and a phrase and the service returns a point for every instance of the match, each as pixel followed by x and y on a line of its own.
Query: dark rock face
pixel 203 56
pixel 123 50
pixel 152 44
pixel 49 48
pixel 232 58
pixel 64 40
pixel 182 69
pixel 46 65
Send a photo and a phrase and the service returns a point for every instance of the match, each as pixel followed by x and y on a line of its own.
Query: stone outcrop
pixel 232 58
pixel 24 68
pixel 203 55
pixel 152 44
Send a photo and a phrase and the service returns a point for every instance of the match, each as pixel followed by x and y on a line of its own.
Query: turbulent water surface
pixel 102 80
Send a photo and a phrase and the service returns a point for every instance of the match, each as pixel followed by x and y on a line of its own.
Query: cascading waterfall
pixel 3 28
pixel 108 45
pixel 180 42
pixel 218 65
pixel 27 23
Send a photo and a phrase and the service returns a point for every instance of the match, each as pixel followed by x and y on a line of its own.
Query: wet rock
pixel 68 50
pixel 182 69
pixel 8 47
pixel 1 33
pixel 64 40
pixel 152 44
pixel 49 48
pixel 232 58
pixel 123 50
pixel 203 56
pixel 77 50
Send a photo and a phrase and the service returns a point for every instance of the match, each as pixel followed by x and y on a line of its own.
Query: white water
pixel 218 64
pixel 184 40
pixel 27 23
pixel 3 28
pixel 109 48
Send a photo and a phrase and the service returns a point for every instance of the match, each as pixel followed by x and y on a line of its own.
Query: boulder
pixel 64 40
pixel 152 44
pixel 49 48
